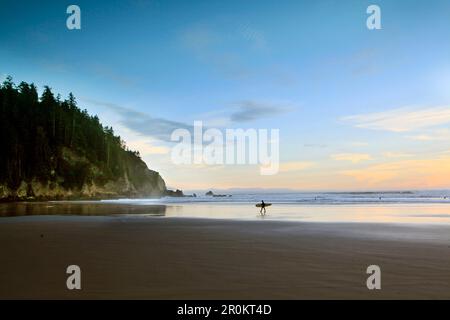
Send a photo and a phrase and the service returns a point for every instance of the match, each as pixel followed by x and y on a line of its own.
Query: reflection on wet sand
pixel 77 208
pixel 383 213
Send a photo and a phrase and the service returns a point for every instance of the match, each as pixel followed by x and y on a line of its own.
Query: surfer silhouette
pixel 263 207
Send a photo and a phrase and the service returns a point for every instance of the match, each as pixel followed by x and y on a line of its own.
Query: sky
pixel 356 109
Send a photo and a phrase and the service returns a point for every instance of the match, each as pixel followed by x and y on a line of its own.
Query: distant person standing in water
pixel 263 207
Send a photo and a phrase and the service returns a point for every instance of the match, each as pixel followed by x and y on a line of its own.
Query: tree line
pixel 51 139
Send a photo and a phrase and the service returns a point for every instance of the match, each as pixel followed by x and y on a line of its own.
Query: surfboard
pixel 258 205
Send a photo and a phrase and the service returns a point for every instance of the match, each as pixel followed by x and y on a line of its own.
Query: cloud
pixel 295 166
pixel 314 145
pixel 252 110
pixel 402 119
pixel 142 123
pixel 145 147
pixel 420 173
pixel 435 135
pixel 161 129
pixel 242 111
pixel 396 155
pixel 352 157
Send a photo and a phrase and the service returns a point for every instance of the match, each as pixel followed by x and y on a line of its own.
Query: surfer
pixel 263 207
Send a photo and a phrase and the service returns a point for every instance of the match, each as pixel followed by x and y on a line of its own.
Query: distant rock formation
pixel 211 194
pixel 176 193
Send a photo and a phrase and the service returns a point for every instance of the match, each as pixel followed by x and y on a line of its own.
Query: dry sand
pixel 180 258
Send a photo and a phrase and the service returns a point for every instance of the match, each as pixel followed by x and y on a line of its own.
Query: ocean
pixel 308 198
pixel 422 207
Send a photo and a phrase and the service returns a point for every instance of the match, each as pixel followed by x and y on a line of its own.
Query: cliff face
pixel 136 181
pixel 51 149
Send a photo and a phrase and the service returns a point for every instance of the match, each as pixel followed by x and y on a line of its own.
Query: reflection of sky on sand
pixel 399 213
pixel 76 208
pixel 435 213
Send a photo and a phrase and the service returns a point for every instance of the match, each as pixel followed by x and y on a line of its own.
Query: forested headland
pixel 52 149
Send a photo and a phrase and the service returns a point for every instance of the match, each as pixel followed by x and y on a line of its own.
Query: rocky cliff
pixel 51 149
pixel 137 181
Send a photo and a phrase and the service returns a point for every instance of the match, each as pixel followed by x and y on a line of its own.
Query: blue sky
pixel 341 95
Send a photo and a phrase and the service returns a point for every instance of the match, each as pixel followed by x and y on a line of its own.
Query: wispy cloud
pixel 420 173
pixel 243 111
pixel 145 145
pixel 315 145
pixel 253 110
pixel 295 166
pixel 161 129
pixel 352 157
pixel 396 155
pixel 435 135
pixel 142 123
pixel 402 119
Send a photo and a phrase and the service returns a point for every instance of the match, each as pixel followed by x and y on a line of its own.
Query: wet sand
pixel 186 258
pixel 77 208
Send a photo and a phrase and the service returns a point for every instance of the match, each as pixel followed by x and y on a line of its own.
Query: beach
pixel 123 257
